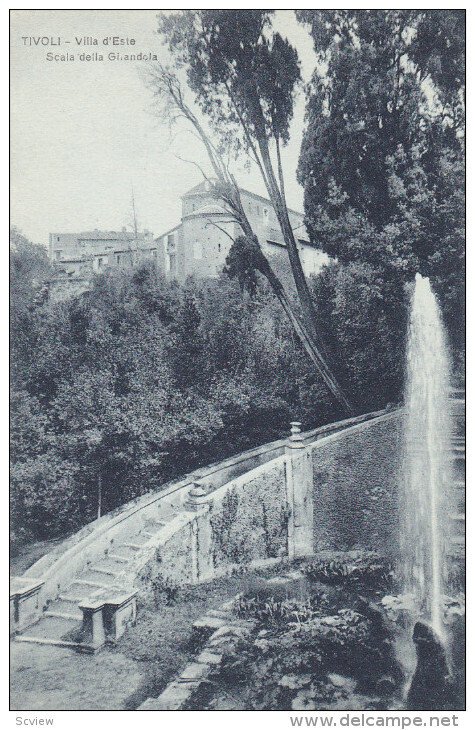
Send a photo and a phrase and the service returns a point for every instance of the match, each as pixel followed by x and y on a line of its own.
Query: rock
pixel 194 671
pixel 385 686
pixel 295 681
pixel 454 609
pixel 229 630
pixel 208 657
pixel 207 625
pixel 304 700
pixel 338 680
pixel 399 608
pixel 172 698
pixel 432 686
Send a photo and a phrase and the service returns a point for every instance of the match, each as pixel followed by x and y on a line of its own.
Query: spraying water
pixel 426 451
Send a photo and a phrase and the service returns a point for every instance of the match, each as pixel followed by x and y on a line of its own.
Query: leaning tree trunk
pixel 308 309
pixel 306 330
pixel 306 341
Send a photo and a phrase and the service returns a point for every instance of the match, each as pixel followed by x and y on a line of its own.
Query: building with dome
pixel 199 245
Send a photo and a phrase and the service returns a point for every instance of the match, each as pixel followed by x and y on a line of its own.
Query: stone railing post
pixel 299 485
pixel 199 501
pixel 120 611
pixel 25 607
pixel 93 622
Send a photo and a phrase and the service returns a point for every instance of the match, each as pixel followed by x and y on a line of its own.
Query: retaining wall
pixel 356 487
pixel 333 487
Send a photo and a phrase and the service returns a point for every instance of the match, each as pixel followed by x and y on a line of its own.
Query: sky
pixel 85 133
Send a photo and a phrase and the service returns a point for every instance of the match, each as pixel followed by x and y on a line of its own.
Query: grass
pixel 145 659
pixel 162 641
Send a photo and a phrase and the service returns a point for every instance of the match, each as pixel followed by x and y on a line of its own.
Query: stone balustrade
pixel 261 505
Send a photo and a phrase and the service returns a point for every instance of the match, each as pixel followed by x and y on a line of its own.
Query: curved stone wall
pixel 333 487
pixel 356 487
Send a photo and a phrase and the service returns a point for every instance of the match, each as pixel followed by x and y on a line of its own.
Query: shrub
pixel 343 568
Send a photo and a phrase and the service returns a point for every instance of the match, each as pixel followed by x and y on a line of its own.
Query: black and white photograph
pixel 237 365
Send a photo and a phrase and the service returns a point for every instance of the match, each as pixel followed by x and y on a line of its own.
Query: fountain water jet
pixel 424 506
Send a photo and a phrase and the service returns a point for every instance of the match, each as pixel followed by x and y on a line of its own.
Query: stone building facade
pixel 197 246
pixel 78 256
pixel 200 244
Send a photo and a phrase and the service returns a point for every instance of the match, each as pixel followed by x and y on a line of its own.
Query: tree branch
pixel 212 223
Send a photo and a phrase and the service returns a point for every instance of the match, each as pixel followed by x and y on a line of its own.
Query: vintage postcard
pixel 237 290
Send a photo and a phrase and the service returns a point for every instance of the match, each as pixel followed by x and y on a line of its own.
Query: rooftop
pixel 204 187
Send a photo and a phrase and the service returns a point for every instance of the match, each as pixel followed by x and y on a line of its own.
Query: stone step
pixel 80 590
pixel 51 627
pixel 64 598
pixel 86 648
pixel 65 607
pixel 134 545
pixel 123 551
pixel 139 540
pixel 152 524
pixel 118 558
pixel 89 583
pixel 109 566
pixel 98 575
pixel 148 534
pixel 68 615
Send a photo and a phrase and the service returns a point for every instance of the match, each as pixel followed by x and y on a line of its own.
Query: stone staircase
pixel 62 621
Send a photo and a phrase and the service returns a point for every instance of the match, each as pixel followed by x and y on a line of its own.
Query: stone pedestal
pixel 25 606
pixel 93 622
pixel 199 501
pixel 119 613
pixel 299 484
pixel 108 617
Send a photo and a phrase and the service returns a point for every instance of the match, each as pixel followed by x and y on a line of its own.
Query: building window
pixel 57 238
pixel 197 250
pixel 100 261
pixel 118 258
pixel 171 241
pixel 219 247
pixel 58 255
pixel 172 263
pixel 154 253
pixel 266 215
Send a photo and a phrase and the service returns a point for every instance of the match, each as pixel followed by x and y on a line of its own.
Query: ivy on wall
pixel 356 487
pixel 250 523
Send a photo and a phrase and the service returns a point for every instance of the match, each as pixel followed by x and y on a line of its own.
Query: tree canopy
pixel 382 157
pixel 138 381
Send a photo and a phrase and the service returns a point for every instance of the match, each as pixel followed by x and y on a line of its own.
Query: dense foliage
pixel 138 381
pixel 314 645
pixel 382 160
